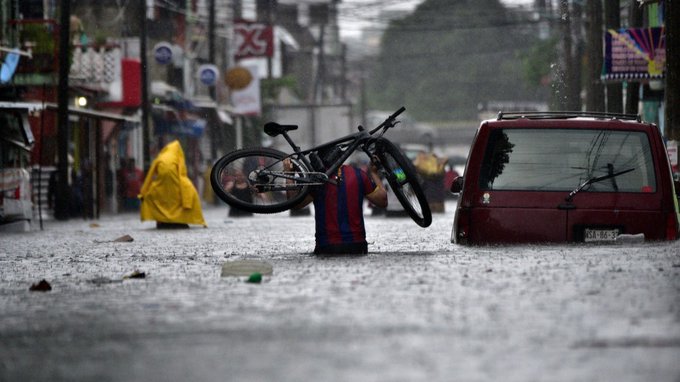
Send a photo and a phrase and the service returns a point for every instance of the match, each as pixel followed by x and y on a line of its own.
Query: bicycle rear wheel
pixel 253 180
pixel 403 180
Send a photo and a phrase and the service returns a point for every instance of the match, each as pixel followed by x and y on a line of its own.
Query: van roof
pixel 579 120
pixel 566 115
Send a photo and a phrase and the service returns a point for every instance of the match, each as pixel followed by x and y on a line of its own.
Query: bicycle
pixel 253 179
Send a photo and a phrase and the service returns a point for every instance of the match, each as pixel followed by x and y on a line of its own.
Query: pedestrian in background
pixel 208 193
pixel 241 189
pixel 167 195
pixel 132 178
pixel 120 183
pixel 74 197
pixel 431 169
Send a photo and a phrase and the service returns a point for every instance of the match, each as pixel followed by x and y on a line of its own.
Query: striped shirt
pixel 338 209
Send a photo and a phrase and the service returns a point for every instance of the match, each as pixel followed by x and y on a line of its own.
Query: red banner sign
pixel 253 39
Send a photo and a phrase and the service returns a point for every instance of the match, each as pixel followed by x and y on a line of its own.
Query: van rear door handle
pixel 566 206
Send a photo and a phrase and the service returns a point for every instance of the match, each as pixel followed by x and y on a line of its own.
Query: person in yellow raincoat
pixel 167 195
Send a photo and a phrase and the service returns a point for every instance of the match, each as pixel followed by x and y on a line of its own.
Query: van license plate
pixel 591 235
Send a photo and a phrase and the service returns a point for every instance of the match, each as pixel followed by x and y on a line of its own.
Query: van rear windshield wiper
pixel 595 179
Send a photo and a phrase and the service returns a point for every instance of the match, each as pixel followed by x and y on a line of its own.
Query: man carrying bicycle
pixel 338 207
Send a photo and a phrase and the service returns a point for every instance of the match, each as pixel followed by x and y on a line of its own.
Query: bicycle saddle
pixel 273 129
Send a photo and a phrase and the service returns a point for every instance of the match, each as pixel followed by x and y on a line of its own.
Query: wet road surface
pixel 416 308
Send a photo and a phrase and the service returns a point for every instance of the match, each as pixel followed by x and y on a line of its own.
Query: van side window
pixel 561 159
pixel 496 156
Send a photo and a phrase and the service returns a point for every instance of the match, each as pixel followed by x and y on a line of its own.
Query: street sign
pixel 672 149
pixel 162 52
pixel 247 101
pixel 634 54
pixel 208 74
pixel 253 39
pixel 237 78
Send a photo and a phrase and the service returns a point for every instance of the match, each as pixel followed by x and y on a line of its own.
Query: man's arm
pixel 288 166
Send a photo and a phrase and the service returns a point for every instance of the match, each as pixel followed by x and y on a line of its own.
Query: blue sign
pixel 208 74
pixel 163 53
pixel 8 67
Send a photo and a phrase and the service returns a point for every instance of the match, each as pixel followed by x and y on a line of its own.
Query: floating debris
pixel 135 275
pixel 122 239
pixel 42 286
pixel 255 278
pixel 246 268
pixel 630 238
pixel 103 280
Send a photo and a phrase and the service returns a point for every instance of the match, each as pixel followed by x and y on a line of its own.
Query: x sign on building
pixel 253 39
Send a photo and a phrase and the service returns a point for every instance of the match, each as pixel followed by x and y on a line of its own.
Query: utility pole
pixel 612 20
pixel 672 89
pixel 569 99
pixel 318 96
pixel 633 87
pixel 594 87
pixel 146 136
pixel 575 27
pixel 270 23
pixel 211 59
pixel 63 196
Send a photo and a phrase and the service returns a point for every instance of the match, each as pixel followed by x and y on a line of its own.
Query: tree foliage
pixel 448 56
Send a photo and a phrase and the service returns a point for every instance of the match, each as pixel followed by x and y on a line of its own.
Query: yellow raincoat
pixel 168 196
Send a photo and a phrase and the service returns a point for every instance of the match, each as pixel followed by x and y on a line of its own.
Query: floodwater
pixel 416 308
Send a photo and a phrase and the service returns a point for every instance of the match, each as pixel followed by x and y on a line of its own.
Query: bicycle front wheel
pixel 403 180
pixel 253 180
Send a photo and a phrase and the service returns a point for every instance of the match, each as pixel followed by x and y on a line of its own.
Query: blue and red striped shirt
pixel 338 209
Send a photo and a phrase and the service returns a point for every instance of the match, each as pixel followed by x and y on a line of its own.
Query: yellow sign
pixel 238 78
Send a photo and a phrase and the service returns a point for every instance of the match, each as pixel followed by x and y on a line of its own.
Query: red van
pixel 565 177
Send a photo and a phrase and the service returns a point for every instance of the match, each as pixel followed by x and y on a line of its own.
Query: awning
pixel 30 106
pixel 224 117
pixel 96 114
pixel 223 111
pixel 167 120
pixel 39 106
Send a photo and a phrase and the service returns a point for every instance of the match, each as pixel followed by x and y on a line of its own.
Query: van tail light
pixel 671 226
pixel 17 193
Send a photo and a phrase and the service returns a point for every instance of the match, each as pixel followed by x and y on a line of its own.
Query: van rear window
pixel 562 159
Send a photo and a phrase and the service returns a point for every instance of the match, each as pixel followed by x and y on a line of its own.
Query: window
pixel 562 159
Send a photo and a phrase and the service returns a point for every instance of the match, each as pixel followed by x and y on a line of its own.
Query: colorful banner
pixel 634 54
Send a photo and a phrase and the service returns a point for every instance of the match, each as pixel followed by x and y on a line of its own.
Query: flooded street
pixel 416 308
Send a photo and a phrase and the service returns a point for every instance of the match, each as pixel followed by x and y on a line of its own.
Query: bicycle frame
pixel 278 181
pixel 354 141
pixel 359 139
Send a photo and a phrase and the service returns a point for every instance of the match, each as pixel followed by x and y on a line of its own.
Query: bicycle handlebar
pixel 396 113
pixel 389 120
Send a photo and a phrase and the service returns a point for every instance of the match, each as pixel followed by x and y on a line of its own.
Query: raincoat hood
pixel 168 196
